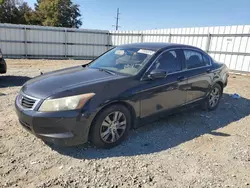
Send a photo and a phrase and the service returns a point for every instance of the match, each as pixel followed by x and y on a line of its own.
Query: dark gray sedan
pixel 124 88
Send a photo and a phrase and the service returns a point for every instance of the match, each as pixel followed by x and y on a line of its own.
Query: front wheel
pixel 213 99
pixel 111 126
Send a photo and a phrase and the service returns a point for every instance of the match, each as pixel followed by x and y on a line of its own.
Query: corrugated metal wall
pixel 228 44
pixel 52 42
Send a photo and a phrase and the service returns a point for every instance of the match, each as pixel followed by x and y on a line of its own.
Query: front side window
pixel 193 59
pixel 123 60
pixel 169 61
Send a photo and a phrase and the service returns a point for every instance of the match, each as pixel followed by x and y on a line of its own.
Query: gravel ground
pixel 190 149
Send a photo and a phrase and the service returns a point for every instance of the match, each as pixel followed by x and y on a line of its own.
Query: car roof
pixel 156 45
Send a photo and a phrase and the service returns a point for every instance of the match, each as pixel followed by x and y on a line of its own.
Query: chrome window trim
pixel 183 70
pixel 33 98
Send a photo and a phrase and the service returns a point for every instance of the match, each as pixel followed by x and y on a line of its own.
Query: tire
pixel 3 67
pixel 107 131
pixel 216 94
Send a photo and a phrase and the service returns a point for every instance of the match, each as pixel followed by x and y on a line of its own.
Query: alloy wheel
pixel 214 97
pixel 113 127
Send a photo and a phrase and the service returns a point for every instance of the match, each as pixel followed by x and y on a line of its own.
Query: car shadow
pixel 169 132
pixel 12 81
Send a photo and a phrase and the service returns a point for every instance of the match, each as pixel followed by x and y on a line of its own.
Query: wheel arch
pixel 221 85
pixel 123 103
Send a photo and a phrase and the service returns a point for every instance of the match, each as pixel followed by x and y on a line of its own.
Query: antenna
pixel 117 20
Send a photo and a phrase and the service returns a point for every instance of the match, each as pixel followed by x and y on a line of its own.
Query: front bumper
pixel 62 128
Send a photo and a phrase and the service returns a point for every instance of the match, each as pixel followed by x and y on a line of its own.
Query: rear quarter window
pixel 194 59
pixel 206 59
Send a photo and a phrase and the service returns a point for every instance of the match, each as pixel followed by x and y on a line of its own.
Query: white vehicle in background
pixel 3 66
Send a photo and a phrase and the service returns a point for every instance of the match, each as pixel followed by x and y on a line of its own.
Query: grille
pixel 27 102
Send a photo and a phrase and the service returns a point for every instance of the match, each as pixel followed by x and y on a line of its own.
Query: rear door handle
pixel 208 70
pixel 181 78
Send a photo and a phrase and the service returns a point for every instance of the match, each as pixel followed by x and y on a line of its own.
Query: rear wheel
pixel 213 99
pixel 111 126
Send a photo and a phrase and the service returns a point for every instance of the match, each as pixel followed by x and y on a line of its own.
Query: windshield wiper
pixel 107 71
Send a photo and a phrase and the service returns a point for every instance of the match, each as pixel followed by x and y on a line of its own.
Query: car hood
pixel 51 83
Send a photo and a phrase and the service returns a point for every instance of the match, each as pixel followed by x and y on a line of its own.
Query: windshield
pixel 123 60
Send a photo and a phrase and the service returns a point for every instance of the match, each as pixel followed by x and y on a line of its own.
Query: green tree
pixel 15 11
pixel 9 11
pixel 24 12
pixel 58 13
pixel 32 18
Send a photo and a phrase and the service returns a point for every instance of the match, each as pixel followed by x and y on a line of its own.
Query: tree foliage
pixel 58 13
pixel 9 11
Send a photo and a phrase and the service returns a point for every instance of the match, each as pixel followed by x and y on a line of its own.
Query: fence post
pixel 108 40
pixel 65 44
pixel 208 42
pixel 25 41
pixel 142 37
pixel 169 38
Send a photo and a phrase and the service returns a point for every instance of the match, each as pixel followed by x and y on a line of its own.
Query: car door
pixel 162 94
pixel 198 72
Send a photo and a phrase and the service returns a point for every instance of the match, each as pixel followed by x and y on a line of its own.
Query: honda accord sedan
pixel 124 88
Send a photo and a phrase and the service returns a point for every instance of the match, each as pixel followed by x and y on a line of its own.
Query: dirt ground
pixel 189 149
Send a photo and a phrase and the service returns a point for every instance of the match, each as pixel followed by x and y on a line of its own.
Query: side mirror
pixel 157 74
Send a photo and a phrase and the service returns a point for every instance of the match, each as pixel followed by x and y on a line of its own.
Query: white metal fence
pixel 51 42
pixel 228 44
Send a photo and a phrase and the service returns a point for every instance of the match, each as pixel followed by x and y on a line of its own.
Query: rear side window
pixel 206 59
pixel 169 61
pixel 194 59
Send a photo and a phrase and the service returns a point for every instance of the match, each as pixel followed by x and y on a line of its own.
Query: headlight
pixel 65 103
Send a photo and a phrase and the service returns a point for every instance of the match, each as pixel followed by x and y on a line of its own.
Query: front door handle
pixel 181 78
